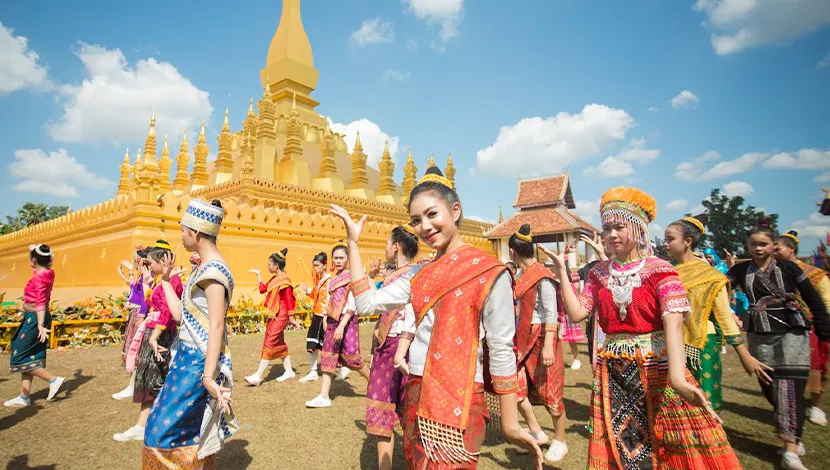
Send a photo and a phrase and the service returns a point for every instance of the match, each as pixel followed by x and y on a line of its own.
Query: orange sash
pixel 455 287
pixel 814 274
pixel 388 318
pixel 525 292
pixel 320 294
pixel 272 295
pixel 338 294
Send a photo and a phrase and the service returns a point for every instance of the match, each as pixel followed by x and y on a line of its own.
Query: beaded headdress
pixel 41 250
pixel 203 217
pixel 698 224
pixel 629 206
pixel 792 237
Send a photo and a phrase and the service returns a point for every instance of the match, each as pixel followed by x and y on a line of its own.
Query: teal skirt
pixel 28 353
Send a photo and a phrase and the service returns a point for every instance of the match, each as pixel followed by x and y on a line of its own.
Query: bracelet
pixel 208 376
pixel 398 366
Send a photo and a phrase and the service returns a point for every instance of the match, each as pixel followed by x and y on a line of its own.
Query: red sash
pixel 339 294
pixel 525 292
pixel 455 287
pixel 388 318
pixel 272 296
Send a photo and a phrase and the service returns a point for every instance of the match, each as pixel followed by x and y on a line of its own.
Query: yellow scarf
pixel 702 283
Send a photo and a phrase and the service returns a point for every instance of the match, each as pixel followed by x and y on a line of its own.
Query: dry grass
pixel 75 431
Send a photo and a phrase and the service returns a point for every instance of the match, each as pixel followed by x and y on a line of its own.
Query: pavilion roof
pixel 543 221
pixel 545 192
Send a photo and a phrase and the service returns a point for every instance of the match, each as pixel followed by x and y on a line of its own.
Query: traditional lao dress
pixel 819 350
pixel 460 301
pixel 280 301
pixel 136 311
pixel 320 295
pixel 384 394
pixel 28 352
pixel 709 324
pixel 346 351
pixel 537 306
pixel 187 426
pixel 637 420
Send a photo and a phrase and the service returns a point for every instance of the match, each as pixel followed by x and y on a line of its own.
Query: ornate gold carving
pixel 200 175
pixel 358 158
pixel 181 180
pixel 387 171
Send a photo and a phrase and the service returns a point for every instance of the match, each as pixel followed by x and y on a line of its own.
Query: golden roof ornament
pixel 501 215
pixel 248 163
pixel 199 176
pixel 328 165
pixel 224 155
pixel 450 170
pixel 431 161
pixel 410 175
pixel 164 168
pixel 387 170
pixel 250 124
pixel 358 157
pixel 150 143
pixel 125 186
pixel 294 139
pixel 180 181
pixel 267 116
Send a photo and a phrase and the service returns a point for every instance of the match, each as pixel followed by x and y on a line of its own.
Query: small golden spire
pixel 328 165
pixel 501 215
pixel 251 108
pixel 124 183
pixel 150 143
pixel 180 181
pixel 199 176
pixel 449 171
pixel 387 170
pixel 357 144
pixel 224 156
pixel 358 157
pixel 431 161
pixel 127 157
pixel 410 172
pixel 225 126
pixel 153 122
pixel 248 162
pixel 164 168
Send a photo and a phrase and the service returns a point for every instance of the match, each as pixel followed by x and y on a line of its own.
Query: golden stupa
pixel 275 177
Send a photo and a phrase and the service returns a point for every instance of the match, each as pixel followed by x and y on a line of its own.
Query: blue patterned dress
pixel 186 426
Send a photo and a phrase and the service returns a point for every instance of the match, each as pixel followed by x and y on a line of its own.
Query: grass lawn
pixel 75 431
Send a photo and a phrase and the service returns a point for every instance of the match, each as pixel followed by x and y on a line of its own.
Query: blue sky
pixel 676 98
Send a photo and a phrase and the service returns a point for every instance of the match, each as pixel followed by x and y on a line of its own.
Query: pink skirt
pixel 572 332
pixel 135 347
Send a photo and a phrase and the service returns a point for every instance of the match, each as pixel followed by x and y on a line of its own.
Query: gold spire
pixel 182 162
pixel 387 171
pixel 249 125
pixel 267 117
pixel 449 171
pixel 294 139
pixel 150 143
pixel 431 161
pixel 501 216
pixel 410 172
pixel 125 186
pixel 328 165
pixel 224 156
pixel 290 62
pixel 358 158
pixel 248 162
pixel 164 168
pixel 199 176
pixel 137 167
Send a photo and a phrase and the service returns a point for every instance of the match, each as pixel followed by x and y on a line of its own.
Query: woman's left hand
pixel 695 397
pixel 42 334
pixel 523 439
pixel 338 334
pixel 548 357
pixel 157 349
pixel 218 393
pixel 353 228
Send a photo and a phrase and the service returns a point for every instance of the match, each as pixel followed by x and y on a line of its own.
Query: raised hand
pixel 353 228
pixel 146 275
pixel 729 258
pixel 374 268
pixel 558 259
pixel 168 263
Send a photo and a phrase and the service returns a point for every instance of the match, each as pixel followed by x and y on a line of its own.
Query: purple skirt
pixel 384 394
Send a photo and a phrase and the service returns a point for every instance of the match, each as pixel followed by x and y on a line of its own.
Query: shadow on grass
pixel 72 383
pixel 751 392
pixel 21 462
pixel 369 451
pixel 19 415
pixel 747 444
pixel 761 415
pixel 234 455
pixel 577 411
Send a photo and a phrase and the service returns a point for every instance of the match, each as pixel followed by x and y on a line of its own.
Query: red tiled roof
pixel 544 192
pixel 543 221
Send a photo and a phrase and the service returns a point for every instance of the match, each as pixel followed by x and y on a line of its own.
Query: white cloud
pixel 57 174
pixel 656 231
pixel 446 13
pixel 823 178
pixel 587 210
pixel 677 204
pixel 804 159
pixel 115 101
pixel 685 99
pixel 737 188
pixel 637 152
pixel 411 45
pixel 391 74
pixel 696 170
pixel 825 61
pixel 611 167
pixel 371 137
pixel 698 209
pixel 19 66
pixel 742 24
pixel 538 145
pixel 374 31
pixel 653 109
pixel 817 225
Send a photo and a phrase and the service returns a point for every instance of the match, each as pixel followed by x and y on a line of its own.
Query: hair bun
pixel 434 170
pixel 217 203
pixel 703 218
pixel 764 222
pixel 524 229
pixel 284 251
pixel 793 233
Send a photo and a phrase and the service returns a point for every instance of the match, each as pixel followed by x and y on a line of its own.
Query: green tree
pixel 729 221
pixel 660 248
pixel 32 213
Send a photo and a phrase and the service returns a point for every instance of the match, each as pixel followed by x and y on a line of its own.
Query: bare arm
pixel 573 308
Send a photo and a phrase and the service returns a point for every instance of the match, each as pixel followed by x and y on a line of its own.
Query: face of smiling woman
pixel 434 220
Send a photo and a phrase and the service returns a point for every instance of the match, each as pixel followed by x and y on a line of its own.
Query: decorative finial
pixel 431 161
pixel 251 108
pixel 225 125
pixel 294 100
pixel 449 158
pixel 153 123
pixel 202 132
pixel 164 150
pixel 127 157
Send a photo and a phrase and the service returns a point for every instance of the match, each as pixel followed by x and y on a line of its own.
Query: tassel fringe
pixel 443 443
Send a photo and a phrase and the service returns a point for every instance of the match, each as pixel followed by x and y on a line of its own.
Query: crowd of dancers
pixel 464 339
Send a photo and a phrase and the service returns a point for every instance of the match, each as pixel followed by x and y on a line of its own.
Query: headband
pixel 338 244
pixel 433 178
pixel 40 250
pixel 792 237
pixel 203 217
pixel 523 237
pixel 408 228
pixel 279 255
pixel 695 222
pixel 162 245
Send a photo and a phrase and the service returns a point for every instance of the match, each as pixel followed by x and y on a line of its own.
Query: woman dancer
pixel 28 345
pixel 460 298
pixel 153 357
pixel 641 371
pixel 540 363
pixel 136 308
pixel 320 295
pixel 711 321
pixel 778 331
pixel 786 247
pixel 341 341
pixel 386 383
pixel 280 301
pixel 192 415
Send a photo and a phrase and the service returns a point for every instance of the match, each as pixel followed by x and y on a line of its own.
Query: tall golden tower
pixel 359 183
pixel 199 176
pixel 164 168
pixel 293 169
pixel 223 166
pixel 181 181
pixel 410 176
pixel 125 186
pixel 387 190
pixel 327 179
